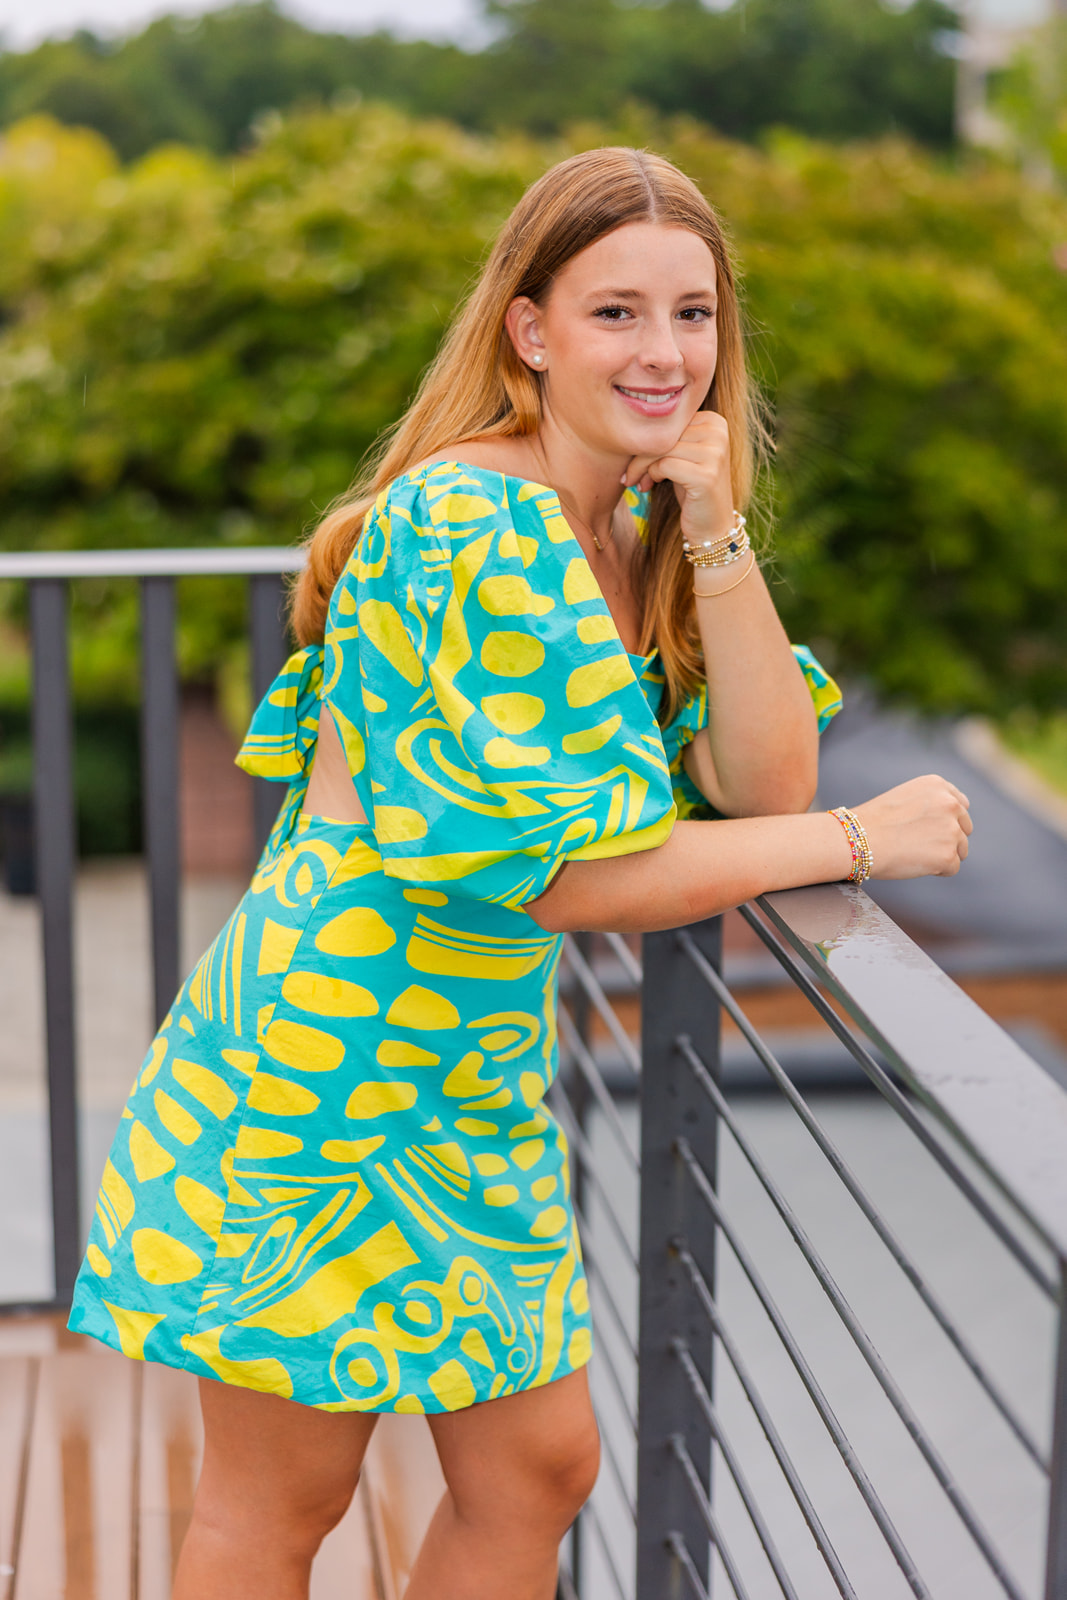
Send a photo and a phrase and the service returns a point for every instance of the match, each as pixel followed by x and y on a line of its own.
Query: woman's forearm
pixel 702 869
pixel 760 756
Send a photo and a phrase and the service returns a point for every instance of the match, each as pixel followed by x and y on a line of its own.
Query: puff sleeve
pixel 505 731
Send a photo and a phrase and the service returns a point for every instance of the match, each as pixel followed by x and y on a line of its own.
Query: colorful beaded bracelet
pixel 719 552
pixel 856 833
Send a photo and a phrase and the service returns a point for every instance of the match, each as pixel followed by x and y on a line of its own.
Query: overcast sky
pixel 24 22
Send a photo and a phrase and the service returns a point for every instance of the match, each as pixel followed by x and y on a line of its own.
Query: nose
pixel 659 348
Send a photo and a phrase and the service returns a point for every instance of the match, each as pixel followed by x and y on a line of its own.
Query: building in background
pixel 994 31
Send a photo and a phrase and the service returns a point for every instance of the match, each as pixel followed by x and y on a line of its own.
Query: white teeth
pixel 649 398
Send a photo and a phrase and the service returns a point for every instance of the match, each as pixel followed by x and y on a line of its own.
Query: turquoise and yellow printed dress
pixel 335 1178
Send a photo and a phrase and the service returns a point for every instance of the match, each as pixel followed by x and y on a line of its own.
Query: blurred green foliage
pixel 107 776
pixel 1030 97
pixel 830 68
pixel 1042 743
pixel 197 350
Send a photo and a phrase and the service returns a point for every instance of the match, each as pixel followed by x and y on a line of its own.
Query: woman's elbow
pixel 781 795
pixel 798 793
pixel 558 909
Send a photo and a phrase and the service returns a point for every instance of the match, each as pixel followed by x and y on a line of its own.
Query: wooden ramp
pixel 98 1462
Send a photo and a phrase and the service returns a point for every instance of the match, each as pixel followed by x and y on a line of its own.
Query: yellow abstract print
pixel 336 1178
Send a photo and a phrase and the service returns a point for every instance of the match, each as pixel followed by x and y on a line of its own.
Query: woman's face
pixel 627 339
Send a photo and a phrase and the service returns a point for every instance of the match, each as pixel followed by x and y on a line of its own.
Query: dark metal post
pixel 578 1093
pixel 1056 1562
pixel 161 785
pixel 270 641
pixel 53 748
pixel 674 1003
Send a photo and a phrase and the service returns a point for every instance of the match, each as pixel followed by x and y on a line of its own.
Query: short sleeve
pixel 506 731
pixel 692 717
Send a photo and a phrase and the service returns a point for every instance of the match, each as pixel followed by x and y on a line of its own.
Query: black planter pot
pixel 16 842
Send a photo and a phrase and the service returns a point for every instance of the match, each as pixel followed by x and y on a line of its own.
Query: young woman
pixel 535 643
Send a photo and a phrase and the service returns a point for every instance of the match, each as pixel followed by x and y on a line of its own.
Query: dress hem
pixel 81 1323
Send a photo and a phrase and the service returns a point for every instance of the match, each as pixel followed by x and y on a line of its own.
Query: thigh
pixel 267 1456
pixel 539 1445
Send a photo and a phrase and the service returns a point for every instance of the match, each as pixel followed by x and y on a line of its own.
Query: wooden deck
pixel 99 1459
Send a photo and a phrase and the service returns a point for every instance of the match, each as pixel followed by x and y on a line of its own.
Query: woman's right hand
pixel 920 828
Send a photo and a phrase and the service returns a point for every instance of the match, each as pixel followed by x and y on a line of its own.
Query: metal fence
pixel 717 1477
pixel 48 576
pixel 732 1463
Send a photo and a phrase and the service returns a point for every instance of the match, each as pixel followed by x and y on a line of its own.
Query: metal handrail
pixel 207 561
pixel 869 1210
pixel 826 1281
pixel 48 575
pixel 900 1103
pixel 962 1086
pixel 973 1099
pixel 994 1099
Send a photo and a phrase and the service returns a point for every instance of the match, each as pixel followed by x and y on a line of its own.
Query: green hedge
pixel 197 351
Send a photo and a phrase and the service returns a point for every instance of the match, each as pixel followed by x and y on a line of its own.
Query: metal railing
pixel 717 1474
pixel 48 576
pixel 686 1497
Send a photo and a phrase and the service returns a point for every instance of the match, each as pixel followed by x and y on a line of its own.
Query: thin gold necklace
pixel 582 523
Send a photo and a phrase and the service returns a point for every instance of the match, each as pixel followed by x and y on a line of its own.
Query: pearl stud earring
pixel 538 360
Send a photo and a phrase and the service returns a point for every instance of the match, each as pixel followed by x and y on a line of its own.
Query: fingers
pixel 637 475
pixel 706 431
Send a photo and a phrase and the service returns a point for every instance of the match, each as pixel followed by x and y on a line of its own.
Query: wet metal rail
pixel 737 1459
pixel 679 1509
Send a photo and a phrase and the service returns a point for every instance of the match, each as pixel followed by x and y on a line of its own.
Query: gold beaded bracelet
pixel 858 843
pixel 713 594
pixel 721 552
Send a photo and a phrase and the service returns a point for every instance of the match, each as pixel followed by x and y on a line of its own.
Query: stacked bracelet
pixel 856 833
pixel 721 552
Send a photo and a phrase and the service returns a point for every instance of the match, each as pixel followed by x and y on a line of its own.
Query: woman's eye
pixel 612 313
pixel 696 313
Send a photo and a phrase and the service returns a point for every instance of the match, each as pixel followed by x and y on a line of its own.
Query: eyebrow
pixel 637 294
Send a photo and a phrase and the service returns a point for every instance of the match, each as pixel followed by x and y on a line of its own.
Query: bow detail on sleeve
pixel 285 726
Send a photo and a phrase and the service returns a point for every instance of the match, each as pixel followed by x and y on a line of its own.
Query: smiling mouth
pixel 651 397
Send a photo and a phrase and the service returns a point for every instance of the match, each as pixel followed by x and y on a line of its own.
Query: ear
pixel 523 323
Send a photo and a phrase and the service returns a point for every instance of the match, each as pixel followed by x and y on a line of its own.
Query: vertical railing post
pixel 1056 1560
pixel 269 635
pixel 53 765
pixel 674 1004
pixel 161 786
pixel 578 1092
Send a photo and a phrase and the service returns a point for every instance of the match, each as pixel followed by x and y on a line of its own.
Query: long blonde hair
pixel 477 386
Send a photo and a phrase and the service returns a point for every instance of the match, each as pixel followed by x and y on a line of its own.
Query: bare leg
pixel 277 1477
pixel 518 1472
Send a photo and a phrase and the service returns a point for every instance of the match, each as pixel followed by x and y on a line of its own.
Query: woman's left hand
pixel 699 468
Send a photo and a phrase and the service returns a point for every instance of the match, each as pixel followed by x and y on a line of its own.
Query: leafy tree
pixel 196 350
pixel 1031 97
pixel 833 68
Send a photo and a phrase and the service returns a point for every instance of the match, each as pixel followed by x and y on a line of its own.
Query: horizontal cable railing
pixel 987 1121
pixel 717 1301
pixel 994 1123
